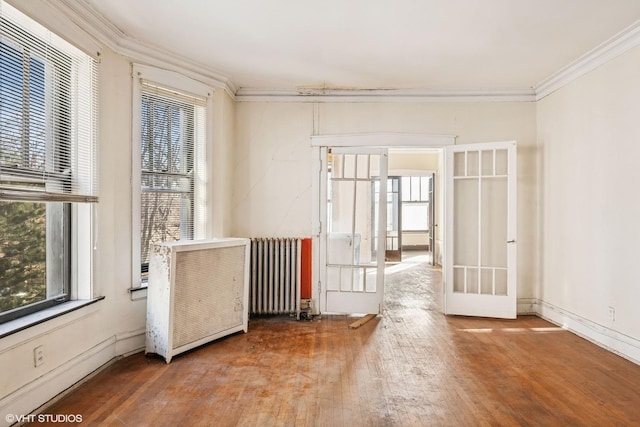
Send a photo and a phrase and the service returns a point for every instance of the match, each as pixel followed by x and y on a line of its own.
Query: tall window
pixel 47 161
pixel 415 203
pixel 172 135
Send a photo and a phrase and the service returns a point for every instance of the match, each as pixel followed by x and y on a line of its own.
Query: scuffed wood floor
pixel 412 366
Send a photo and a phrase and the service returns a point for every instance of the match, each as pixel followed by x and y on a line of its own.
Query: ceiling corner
pixel 92 22
pixel 601 54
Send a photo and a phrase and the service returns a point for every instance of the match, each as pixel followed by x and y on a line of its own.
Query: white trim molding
pixel 58 382
pixel 382 95
pixel 45 388
pixel 616 342
pixel 383 139
pixel 86 20
pixel 601 54
pixel 128 343
pixel 50 15
pixel 527 306
pixel 85 17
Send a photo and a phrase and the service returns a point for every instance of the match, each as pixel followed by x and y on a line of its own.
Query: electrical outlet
pixel 612 314
pixel 38 356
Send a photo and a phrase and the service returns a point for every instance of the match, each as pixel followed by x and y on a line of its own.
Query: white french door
pixel 352 256
pixel 480 230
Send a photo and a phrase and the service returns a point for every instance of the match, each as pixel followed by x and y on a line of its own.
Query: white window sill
pixel 42 316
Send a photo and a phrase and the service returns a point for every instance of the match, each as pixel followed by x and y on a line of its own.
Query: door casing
pixel 319 146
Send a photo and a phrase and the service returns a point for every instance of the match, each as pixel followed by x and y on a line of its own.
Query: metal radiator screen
pixel 208 292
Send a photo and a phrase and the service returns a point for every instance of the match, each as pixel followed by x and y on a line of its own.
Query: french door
pixel 393 205
pixel 352 279
pixel 480 230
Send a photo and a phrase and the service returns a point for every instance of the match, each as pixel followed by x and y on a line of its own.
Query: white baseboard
pixel 49 386
pixel 620 344
pixel 60 380
pixel 34 394
pixel 527 306
pixel 128 343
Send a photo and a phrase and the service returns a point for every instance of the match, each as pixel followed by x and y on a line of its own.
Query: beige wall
pixel 273 178
pixel 589 144
pixel 261 167
pixel 272 170
pixel 77 343
pixel 578 211
pixel 222 161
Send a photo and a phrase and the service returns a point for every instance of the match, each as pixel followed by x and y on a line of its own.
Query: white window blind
pixel 172 141
pixel 48 115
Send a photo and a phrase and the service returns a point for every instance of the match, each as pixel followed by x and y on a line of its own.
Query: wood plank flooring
pixel 411 366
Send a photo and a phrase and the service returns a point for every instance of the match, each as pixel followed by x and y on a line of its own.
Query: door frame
pixel 432 218
pixel 319 146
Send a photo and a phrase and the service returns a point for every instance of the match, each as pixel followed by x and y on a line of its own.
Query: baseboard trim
pixel 128 343
pixel 527 306
pixel 55 384
pixel 43 389
pixel 613 341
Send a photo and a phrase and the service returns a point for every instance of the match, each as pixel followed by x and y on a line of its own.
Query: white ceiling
pixel 448 45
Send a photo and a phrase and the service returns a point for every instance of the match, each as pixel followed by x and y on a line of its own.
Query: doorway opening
pixel 410 209
pixel 413 276
pixel 479 269
pixel 345 165
pixel 414 204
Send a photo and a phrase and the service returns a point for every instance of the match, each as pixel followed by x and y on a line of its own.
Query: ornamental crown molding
pixel 89 21
pixel 620 43
pixel 382 95
pixel 82 14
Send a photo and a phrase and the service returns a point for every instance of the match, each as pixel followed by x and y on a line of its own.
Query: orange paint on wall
pixel 305 270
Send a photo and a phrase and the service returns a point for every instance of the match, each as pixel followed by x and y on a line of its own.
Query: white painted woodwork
pixel 577 151
pixel 360 46
pixel 352 269
pixel 480 230
pixel 198 292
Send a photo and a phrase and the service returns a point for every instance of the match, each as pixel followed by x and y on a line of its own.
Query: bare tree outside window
pixel 22 254
pixel 167 141
pixel 47 161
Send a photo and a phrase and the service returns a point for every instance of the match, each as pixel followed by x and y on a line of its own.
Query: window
pixel 172 134
pixel 47 162
pixel 415 203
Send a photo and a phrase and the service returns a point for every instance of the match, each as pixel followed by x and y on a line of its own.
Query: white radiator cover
pixel 198 291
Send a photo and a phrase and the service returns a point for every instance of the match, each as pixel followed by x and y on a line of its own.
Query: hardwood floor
pixel 410 367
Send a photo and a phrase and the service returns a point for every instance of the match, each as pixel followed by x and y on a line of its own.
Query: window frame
pixel 202 161
pixel 76 218
pixel 420 201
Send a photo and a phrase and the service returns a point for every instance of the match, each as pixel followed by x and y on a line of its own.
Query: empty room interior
pixel 319 213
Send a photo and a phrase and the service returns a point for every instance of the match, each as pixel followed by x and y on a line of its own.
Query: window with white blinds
pixel 48 173
pixel 172 139
pixel 48 115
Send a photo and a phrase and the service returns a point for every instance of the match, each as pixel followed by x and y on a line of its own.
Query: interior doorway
pixel 419 173
pixel 368 153
pixel 410 209
pixel 480 180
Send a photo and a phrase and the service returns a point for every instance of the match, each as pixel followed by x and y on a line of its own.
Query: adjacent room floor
pixel 412 366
